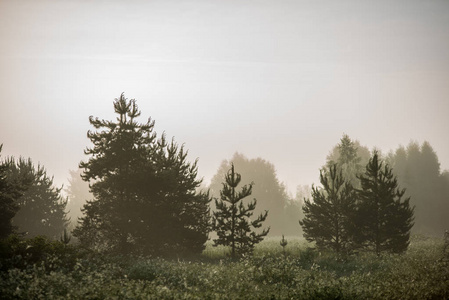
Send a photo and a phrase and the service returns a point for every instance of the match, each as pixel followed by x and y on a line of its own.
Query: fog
pixel 280 80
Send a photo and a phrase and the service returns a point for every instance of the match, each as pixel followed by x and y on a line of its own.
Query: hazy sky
pixel 281 80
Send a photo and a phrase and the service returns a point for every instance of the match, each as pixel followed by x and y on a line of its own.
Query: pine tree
pixel 329 218
pixel 115 167
pixel 232 219
pixel 270 193
pixel 283 244
pixel 384 220
pixel 144 190
pixel 41 205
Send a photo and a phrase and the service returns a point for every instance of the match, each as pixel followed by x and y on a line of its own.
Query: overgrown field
pixel 302 273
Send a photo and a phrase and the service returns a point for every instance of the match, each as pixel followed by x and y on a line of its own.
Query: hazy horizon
pixel 280 80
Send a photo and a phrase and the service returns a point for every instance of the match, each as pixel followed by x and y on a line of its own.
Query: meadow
pixel 300 272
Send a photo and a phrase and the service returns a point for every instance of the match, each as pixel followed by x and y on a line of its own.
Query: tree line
pixel 417 170
pixel 142 196
pixel 344 219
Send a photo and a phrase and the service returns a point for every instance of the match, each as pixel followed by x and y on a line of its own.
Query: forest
pixel 137 222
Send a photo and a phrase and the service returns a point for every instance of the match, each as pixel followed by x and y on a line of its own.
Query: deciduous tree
pixel 350 157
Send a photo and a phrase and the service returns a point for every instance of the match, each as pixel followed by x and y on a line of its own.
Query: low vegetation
pixel 40 269
pixel 144 233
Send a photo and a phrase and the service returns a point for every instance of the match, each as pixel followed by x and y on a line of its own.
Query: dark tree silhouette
pixel 41 206
pixel 144 190
pixel 329 218
pixel 384 221
pixel 8 206
pixel 232 219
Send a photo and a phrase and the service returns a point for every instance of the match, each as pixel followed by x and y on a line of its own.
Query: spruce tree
pixel 384 220
pixel 232 219
pixel 329 217
pixel 144 190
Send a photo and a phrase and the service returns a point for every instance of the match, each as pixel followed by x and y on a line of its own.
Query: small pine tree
pixel 384 220
pixel 231 220
pixel 328 219
pixel 283 244
pixel 270 193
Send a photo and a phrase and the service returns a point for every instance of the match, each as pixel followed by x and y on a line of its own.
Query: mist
pixel 279 80
pixel 269 149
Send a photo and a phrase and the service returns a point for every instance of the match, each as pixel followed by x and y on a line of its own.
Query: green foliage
pixel 232 219
pixel 384 221
pixel 144 190
pixel 16 252
pixel 41 206
pixel 329 220
pixel 420 273
pixel 373 217
pixel 9 193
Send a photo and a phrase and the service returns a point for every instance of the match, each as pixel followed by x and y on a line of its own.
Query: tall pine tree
pixel 384 219
pixel 232 219
pixel 143 188
pixel 329 218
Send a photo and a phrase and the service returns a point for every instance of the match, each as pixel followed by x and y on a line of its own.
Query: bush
pixel 16 252
pixel 421 273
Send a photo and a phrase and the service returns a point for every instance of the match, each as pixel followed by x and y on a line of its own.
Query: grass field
pixel 302 273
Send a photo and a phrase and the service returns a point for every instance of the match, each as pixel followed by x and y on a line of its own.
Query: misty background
pixel 279 80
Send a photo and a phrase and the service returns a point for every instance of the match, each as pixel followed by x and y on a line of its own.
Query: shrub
pixel 16 252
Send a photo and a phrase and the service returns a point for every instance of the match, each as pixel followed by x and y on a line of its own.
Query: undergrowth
pixel 303 273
